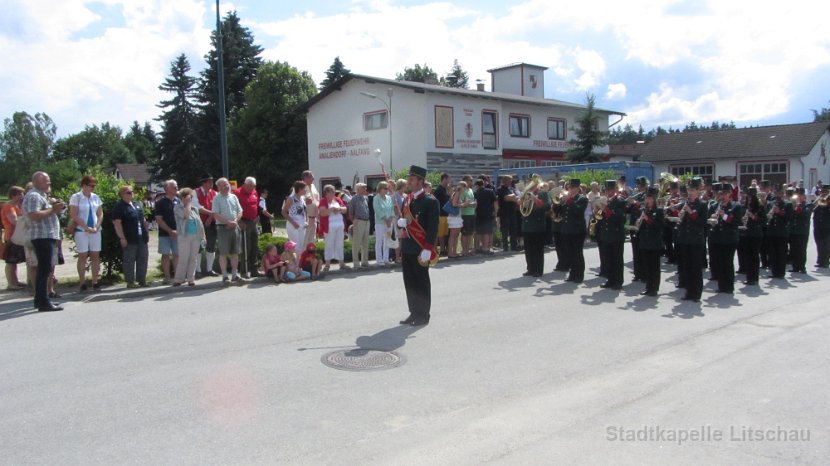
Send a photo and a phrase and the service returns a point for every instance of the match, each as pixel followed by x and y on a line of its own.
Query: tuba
pixel 528 199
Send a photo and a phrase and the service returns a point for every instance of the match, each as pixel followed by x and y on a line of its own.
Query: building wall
pixel 523 80
pixel 339 147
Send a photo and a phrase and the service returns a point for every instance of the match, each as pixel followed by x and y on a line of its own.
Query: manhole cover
pixel 361 359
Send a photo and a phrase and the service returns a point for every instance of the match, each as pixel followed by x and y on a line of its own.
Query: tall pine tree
pixel 588 135
pixel 177 142
pixel 336 71
pixel 142 143
pixel 241 60
pixel 457 77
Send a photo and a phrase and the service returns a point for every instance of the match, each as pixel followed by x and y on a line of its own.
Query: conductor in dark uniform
pixel 612 234
pixel 572 228
pixel 420 224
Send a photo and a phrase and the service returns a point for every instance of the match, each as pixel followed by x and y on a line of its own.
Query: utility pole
pixel 220 73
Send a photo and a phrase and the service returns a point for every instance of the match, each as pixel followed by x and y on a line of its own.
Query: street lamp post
pixel 388 106
pixel 220 75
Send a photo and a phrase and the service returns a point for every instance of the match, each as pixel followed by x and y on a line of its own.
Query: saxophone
pixel 599 205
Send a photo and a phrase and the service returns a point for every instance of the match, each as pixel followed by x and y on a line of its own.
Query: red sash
pixel 416 232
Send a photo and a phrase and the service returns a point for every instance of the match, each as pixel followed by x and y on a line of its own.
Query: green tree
pixel 457 77
pixel 142 142
pixel 588 135
pixel 94 147
pixel 823 115
pixel 267 137
pixel 336 71
pixel 419 74
pixel 241 60
pixel 25 146
pixel 177 140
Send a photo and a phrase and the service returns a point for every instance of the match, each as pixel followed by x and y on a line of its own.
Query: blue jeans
pixel 44 249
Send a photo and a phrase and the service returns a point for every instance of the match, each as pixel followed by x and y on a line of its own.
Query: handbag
pixel 20 236
pixel 450 209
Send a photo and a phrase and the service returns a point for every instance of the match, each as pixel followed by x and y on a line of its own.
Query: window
pixel 332 181
pixel 518 163
pixel 704 171
pixel 489 127
pixel 520 126
pixel 375 120
pixel 556 129
pixel 776 172
pixel 373 180
pixel 551 163
pixel 444 127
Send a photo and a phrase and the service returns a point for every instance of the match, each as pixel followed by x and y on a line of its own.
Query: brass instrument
pixel 663 196
pixel 528 199
pixel 821 201
pixel 599 205
pixel 557 193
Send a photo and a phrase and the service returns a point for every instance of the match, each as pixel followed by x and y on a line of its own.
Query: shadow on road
pixel 722 301
pixel 686 310
pixel 515 284
pixel 780 283
pixel 561 288
pixel 387 340
pixel 641 304
pixel 604 296
pixel 17 309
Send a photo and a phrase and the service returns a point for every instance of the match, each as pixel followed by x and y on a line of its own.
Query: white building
pixel 458 131
pixel 781 153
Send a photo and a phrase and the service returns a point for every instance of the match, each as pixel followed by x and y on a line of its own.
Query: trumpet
pixel 528 199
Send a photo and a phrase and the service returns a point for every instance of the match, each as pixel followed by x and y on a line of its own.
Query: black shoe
pixel 408 320
pixel 536 275
pixel 605 285
pixel 648 293
pixel 560 269
pixel 527 274
pixel 726 291
pixel 748 283
pixel 84 288
pixel 573 280
pixel 255 274
pixel 51 307
pixel 210 274
pixel 419 322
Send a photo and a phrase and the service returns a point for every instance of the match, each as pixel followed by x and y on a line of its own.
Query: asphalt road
pixel 510 371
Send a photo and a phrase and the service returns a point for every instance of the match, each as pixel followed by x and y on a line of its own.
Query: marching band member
pixel 723 239
pixel 821 227
pixel 612 234
pixel 420 229
pixel 755 218
pixel 713 202
pixel 571 211
pixel 800 231
pixel 779 213
pixel 650 234
pixel 633 210
pixel 533 230
pixel 691 242
pixel 668 227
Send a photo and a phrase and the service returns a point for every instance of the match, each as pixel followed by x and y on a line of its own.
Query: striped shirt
pixel 46 228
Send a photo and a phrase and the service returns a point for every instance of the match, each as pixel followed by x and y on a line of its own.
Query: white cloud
pixel 616 91
pixel 113 77
pixel 704 60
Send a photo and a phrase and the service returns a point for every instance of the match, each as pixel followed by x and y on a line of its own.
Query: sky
pixel 662 62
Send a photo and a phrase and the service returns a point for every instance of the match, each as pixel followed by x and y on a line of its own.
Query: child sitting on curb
pixel 272 264
pixel 292 264
pixel 309 262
